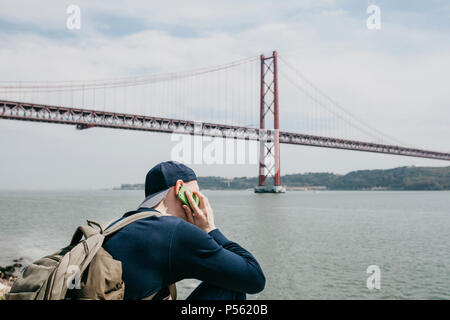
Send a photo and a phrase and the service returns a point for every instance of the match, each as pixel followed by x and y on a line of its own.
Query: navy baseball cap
pixel 161 178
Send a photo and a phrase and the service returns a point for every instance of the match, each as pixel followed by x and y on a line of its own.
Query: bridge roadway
pixel 84 119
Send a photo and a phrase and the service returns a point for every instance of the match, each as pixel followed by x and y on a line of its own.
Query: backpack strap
pixel 173 291
pixel 81 231
pixel 126 221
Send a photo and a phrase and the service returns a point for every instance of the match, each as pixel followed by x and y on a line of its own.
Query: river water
pixel 311 245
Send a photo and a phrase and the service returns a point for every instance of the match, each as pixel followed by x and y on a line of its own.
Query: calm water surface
pixel 311 245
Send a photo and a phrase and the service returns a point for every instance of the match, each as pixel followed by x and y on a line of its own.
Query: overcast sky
pixel 396 78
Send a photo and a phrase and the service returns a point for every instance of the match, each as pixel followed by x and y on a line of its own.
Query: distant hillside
pixel 403 178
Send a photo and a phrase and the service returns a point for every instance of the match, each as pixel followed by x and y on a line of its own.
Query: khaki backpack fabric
pixel 82 271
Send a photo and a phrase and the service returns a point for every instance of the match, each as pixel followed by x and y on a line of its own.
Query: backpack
pixel 81 271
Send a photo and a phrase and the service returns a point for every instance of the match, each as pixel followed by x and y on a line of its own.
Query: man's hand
pixel 203 216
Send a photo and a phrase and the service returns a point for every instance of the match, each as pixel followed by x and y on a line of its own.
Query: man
pixel 179 243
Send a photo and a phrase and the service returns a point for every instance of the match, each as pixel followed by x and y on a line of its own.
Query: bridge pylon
pixel 269 139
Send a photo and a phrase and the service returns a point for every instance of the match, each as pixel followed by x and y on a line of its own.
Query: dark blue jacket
pixel 160 250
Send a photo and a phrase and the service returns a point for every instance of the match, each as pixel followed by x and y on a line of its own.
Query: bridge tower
pixel 269 139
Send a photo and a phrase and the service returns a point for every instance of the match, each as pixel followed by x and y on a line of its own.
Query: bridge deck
pixel 83 118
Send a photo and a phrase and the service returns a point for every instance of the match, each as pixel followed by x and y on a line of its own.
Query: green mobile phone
pixel 182 196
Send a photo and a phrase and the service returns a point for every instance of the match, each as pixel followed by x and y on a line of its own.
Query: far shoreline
pixel 397 179
pixel 307 190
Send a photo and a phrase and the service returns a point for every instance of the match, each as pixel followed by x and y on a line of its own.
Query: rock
pixel 9 273
pixel 7 269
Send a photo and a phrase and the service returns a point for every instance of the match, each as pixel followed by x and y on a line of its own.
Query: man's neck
pixel 162 208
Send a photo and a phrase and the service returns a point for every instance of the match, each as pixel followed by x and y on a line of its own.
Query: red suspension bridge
pixel 228 99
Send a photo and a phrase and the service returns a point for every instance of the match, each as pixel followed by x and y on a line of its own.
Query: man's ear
pixel 178 186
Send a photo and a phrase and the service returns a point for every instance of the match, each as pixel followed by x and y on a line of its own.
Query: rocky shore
pixel 7 276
